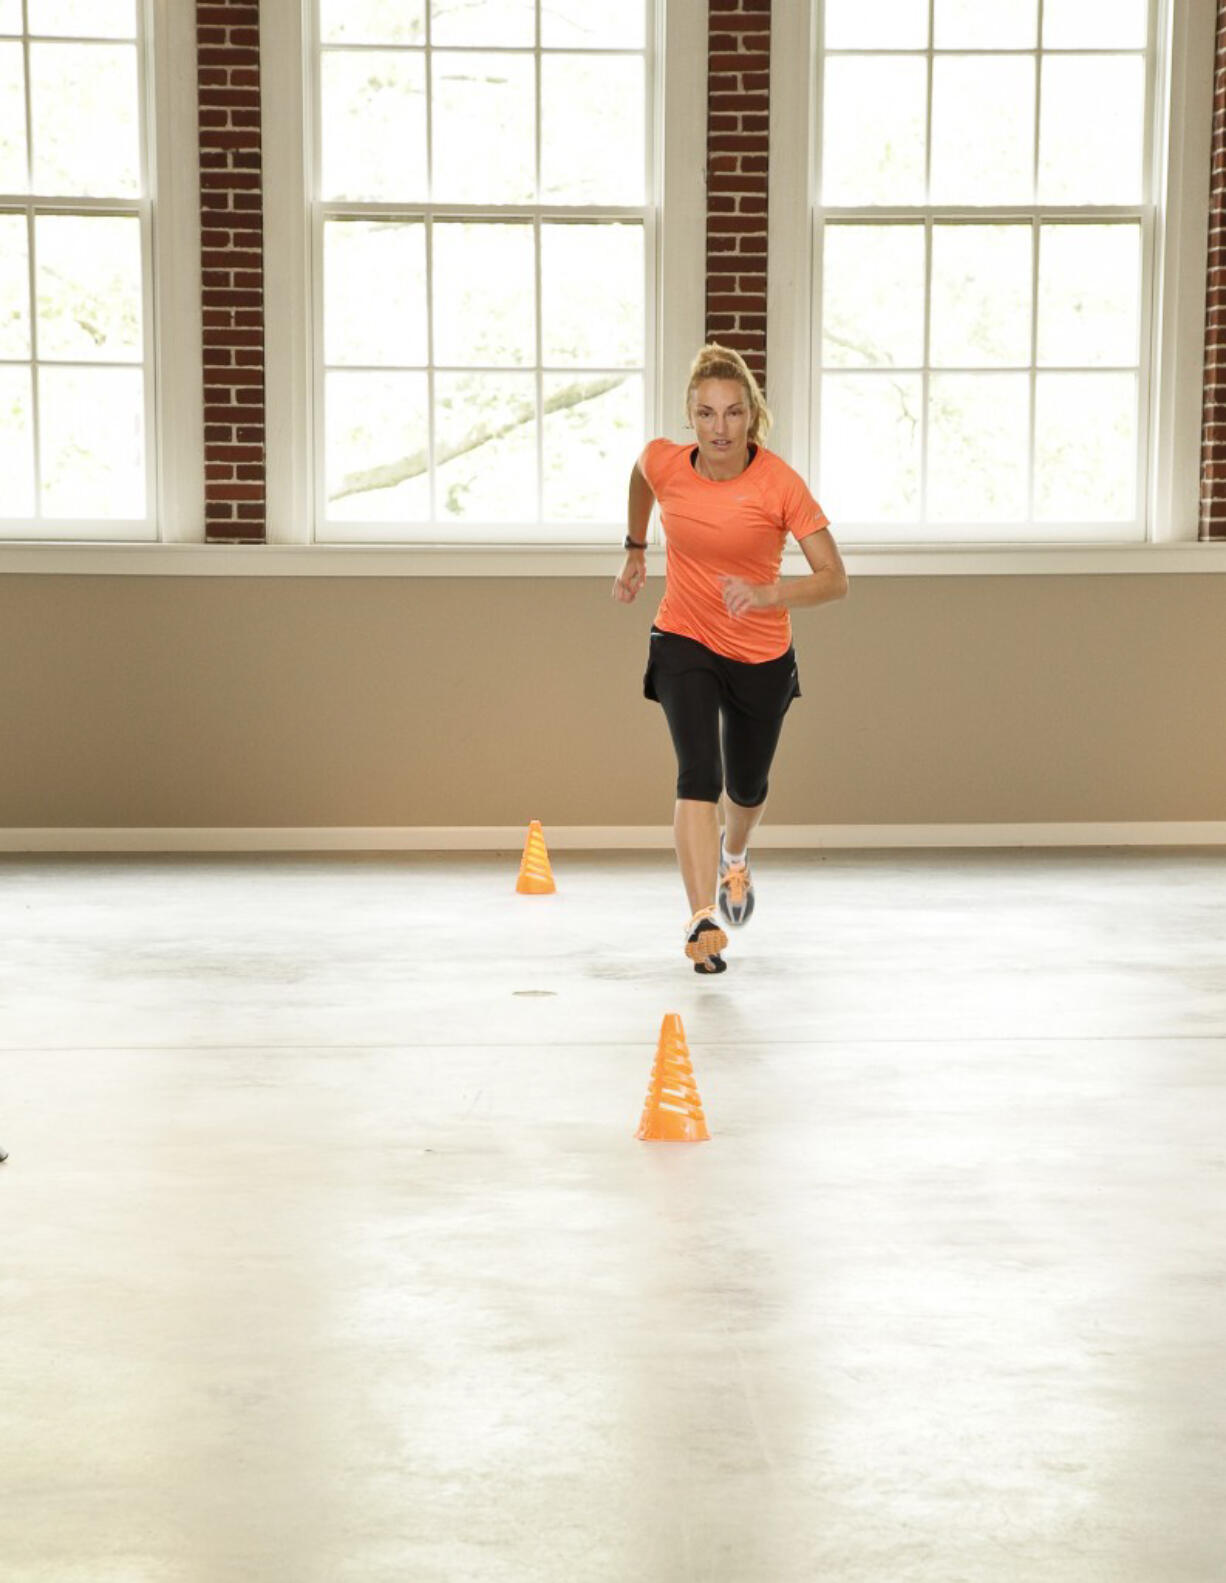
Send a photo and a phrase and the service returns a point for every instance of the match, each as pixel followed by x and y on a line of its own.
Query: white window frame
pixel 178 336
pixel 680 49
pixel 1187 44
pixel 173 359
pixel 1182 78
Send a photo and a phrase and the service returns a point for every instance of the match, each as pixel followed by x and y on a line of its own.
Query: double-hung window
pixel 983 269
pixel 76 363
pixel 100 364
pixel 483 266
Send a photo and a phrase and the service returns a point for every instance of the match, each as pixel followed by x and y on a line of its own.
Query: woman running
pixel 721 662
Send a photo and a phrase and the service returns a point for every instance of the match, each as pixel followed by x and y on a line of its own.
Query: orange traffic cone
pixel 673 1112
pixel 535 874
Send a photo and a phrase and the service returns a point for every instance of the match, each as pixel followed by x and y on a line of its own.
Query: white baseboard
pixel 505 838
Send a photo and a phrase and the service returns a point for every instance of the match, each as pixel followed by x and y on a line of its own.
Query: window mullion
pixel 1038 100
pixel 154 492
pixel 35 393
pixel 1032 446
pixel 925 369
pixel 316 373
pixel 32 271
pixel 429 221
pixel 537 298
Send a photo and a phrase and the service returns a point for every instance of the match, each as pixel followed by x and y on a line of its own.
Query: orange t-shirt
pixel 728 527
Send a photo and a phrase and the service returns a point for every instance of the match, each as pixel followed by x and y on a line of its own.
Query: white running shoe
pixel 735 889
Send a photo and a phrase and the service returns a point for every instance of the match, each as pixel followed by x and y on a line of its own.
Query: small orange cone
pixel 535 874
pixel 673 1112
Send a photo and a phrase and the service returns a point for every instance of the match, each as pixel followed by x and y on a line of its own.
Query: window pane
pixel 375 292
pixel 12 119
pixel 885 24
pixel 1086 447
pixel 592 424
pixel 83 18
pixel 484 290
pixel 10 16
pixel 485 447
pixel 1095 24
pixel 92 431
pixel 877 158
pixel 83 103
pixel 982 130
pixel 1091 131
pixel 377 457
pixel 870 464
pixel 372 21
pixel 16 444
pixel 873 288
pixel 592 295
pixel 578 24
pixel 490 24
pixel 980 296
pixel 89 288
pixel 374 124
pixel 14 288
pixel 986 24
pixel 592 120
pixel 483 128
pixel 978 442
pixel 1089 294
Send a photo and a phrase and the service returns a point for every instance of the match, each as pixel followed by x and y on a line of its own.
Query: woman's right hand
pixel 631 577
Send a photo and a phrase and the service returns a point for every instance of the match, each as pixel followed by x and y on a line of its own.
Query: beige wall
pixel 151 701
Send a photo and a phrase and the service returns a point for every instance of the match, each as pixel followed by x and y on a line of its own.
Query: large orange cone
pixel 673 1112
pixel 535 874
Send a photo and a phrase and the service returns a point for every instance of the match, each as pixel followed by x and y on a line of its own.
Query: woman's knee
pixel 748 793
pixel 699 782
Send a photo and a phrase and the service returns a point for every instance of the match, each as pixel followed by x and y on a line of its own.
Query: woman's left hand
pixel 740 596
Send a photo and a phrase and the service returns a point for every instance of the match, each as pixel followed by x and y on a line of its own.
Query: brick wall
pixel 232 260
pixel 1213 433
pixel 738 118
pixel 738 89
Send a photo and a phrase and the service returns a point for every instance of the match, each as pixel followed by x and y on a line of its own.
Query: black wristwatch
pixel 633 544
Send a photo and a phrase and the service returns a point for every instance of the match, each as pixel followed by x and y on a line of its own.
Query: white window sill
pixel 294 560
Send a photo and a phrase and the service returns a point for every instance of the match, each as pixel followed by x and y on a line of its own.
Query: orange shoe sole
pixel 709 943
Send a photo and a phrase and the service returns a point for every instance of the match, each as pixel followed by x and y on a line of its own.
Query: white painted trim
pixel 789 278
pixel 681 217
pixel 562 838
pixel 1182 200
pixel 287 314
pixel 303 560
pixel 179 366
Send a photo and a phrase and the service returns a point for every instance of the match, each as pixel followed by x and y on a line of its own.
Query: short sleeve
pixel 650 461
pixel 801 513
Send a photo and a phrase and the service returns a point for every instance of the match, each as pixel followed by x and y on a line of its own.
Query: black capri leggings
pixel 724 715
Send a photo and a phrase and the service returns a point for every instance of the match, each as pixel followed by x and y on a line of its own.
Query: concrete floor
pixel 327 1254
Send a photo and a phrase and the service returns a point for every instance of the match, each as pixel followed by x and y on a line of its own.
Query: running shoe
pixel 704 940
pixel 735 889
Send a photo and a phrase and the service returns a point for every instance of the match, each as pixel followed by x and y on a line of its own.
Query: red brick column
pixel 738 148
pixel 1213 432
pixel 232 260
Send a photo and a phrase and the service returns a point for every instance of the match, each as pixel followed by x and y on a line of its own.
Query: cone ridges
pixel 673 1112
pixel 535 874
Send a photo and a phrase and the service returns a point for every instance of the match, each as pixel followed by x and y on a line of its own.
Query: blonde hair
pixel 721 362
